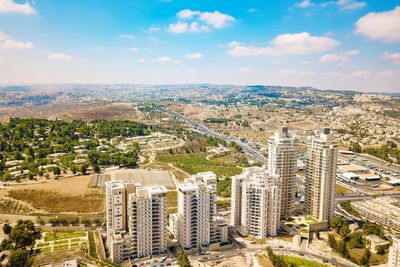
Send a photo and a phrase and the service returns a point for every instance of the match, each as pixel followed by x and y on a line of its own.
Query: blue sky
pixel 328 44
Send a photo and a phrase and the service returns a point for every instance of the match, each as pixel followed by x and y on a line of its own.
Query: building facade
pixel 381 210
pixel 320 181
pixel 255 202
pixel 198 225
pixel 283 150
pixel 394 253
pixel 136 220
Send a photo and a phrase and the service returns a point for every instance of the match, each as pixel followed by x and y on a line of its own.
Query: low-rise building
pixel 380 210
pixel 374 242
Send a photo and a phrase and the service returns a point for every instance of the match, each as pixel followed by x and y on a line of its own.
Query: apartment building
pixel 320 181
pixel 381 210
pixel 136 220
pixel 255 202
pixel 198 225
pixel 394 253
pixel 283 150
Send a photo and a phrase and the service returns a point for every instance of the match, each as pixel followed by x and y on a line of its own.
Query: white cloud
pixel 7 42
pixel 393 57
pixel 360 73
pixel 142 60
pixel 165 60
pixel 194 56
pixel 8 6
pixel 342 4
pixel 328 58
pixel 288 44
pixel 59 56
pixel 252 10
pixel 197 21
pixel 382 26
pixel 134 49
pixel 187 14
pixel 182 27
pixel 304 4
pixel 126 36
pixel 217 19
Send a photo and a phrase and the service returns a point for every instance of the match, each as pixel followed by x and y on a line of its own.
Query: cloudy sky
pixel 328 44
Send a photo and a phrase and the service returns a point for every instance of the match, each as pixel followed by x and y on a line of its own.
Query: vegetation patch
pixel 195 163
pixel 52 236
pixel 54 202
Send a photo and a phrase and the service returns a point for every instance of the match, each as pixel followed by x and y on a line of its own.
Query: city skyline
pixel 354 47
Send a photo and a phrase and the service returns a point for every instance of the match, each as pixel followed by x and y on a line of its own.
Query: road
pixel 229 139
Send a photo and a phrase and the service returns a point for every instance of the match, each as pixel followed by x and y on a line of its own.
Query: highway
pixel 208 132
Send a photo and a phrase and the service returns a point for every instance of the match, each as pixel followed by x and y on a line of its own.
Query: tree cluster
pixel 20 241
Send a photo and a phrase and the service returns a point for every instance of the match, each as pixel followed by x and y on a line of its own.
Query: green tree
pixel 332 241
pixel 24 234
pixel 20 258
pixel 96 168
pixel 365 259
pixel 83 169
pixel 183 260
pixel 337 222
pixel 56 171
pixel 344 229
pixel 7 229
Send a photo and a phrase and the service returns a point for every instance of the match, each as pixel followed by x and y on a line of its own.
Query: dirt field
pixel 55 196
pixel 73 185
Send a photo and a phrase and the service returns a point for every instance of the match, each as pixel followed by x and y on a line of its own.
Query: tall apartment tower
pixel 321 162
pixel 282 160
pixel 136 220
pixel 193 215
pixel 394 253
pixel 198 224
pixel 256 202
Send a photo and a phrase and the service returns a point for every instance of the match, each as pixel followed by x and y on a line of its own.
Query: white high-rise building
pixel 320 181
pixel 255 202
pixel 394 253
pixel 283 150
pixel 197 222
pixel 136 220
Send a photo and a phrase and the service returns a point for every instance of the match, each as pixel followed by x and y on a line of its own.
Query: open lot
pixel 195 163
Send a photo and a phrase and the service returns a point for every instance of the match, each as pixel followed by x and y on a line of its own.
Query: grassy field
pixel 302 262
pixel 51 201
pixel 52 236
pixel 172 201
pixel 342 190
pixel 194 163
pixel 223 203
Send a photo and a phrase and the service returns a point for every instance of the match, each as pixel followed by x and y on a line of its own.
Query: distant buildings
pixel 380 210
pixel 282 161
pixel 394 253
pixel 320 181
pixel 256 202
pixel 198 225
pixel 136 220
